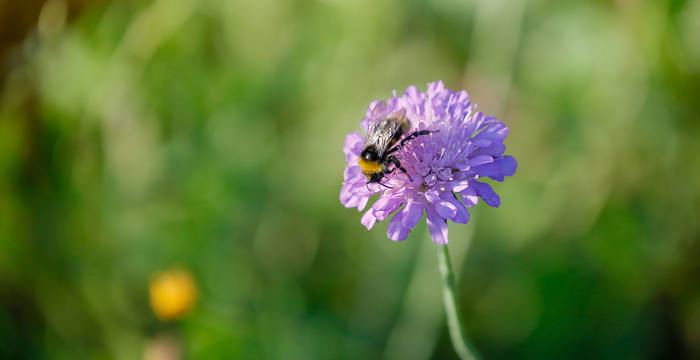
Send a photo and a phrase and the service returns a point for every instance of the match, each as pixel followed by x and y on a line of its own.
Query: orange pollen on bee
pixel 370 167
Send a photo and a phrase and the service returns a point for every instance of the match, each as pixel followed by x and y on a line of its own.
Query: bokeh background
pixel 170 171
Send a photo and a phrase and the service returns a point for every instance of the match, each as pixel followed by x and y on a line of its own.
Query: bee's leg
pixel 378 182
pixel 397 164
pixel 414 135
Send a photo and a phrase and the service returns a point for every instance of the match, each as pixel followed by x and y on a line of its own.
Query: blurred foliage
pixel 207 135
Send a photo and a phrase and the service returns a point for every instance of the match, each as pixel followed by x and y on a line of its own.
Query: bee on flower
pixel 442 148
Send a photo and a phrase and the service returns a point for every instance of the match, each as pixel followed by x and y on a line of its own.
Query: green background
pixel 138 136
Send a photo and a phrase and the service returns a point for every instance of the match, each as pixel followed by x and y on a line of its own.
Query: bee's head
pixel 369 154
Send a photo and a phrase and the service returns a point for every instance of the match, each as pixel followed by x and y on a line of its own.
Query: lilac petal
pixel 459 186
pixel 462 97
pixel 353 174
pixel 413 94
pixel 413 212
pixel 345 194
pixel 421 169
pixel 486 192
pixel 393 104
pixel 445 174
pixel 382 203
pixel 396 231
pixel 482 142
pixel 372 105
pixel 435 88
pixel 352 202
pixel 415 101
pixel 432 195
pixel 436 225
pixel 469 196
pixel 491 170
pixel 363 202
pixel 368 219
pixel 507 164
pixel 446 209
pixel 348 198
pixel 350 148
pixel 495 149
pixel 492 129
pixel 461 213
pixel 480 160
pixel 385 206
pixel 462 216
pixel 462 165
pixel 477 120
pixel 430 180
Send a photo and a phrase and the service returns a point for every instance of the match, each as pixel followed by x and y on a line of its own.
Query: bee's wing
pixel 376 116
pixel 381 135
pixel 401 114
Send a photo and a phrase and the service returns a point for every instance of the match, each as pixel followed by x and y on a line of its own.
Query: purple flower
pixel 446 166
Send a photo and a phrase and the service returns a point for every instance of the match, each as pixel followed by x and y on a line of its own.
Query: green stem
pixel 454 319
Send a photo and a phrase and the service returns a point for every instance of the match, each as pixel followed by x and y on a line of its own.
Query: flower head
pixel 444 168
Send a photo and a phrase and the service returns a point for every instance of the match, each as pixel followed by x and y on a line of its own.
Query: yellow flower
pixel 172 293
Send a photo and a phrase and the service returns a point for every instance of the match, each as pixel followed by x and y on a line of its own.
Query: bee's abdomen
pixel 370 167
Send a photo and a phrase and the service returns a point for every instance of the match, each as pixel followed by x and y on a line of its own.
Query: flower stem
pixel 454 319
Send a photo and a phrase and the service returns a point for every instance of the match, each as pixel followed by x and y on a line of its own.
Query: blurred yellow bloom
pixel 172 293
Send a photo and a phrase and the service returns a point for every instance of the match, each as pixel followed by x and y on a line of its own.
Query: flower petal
pixel 459 186
pixel 492 129
pixel 486 192
pixel 436 225
pixel 413 95
pixel 385 206
pixel 491 170
pixel 368 219
pixel 349 198
pixel 480 160
pixel 432 195
pixel 345 194
pixel 482 142
pixel 362 203
pixel 507 164
pixel 446 209
pixel 352 140
pixel 495 149
pixel 413 212
pixel 352 202
pixel 353 174
pixel 469 196
pixel 396 231
pixel 461 214
pixel 435 88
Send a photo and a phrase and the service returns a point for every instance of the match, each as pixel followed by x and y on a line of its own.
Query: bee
pixel 383 134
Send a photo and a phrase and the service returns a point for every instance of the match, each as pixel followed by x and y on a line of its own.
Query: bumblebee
pixel 383 134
